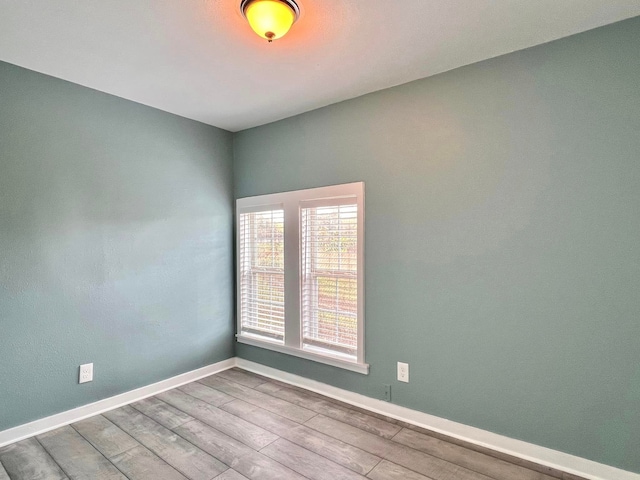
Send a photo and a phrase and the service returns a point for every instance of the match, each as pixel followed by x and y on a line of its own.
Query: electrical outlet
pixel 403 372
pixel 86 373
pixel 387 393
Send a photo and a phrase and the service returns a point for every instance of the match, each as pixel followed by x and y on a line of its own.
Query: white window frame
pixel 292 202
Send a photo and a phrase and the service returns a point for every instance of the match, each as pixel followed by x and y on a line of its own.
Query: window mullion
pixel 292 337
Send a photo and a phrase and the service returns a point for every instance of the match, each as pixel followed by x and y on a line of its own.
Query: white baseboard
pixel 37 427
pixel 517 448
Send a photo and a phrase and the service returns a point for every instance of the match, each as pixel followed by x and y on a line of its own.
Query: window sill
pixel 362 368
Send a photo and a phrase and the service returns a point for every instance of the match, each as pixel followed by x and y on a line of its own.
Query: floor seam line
pixel 211 426
pixel 264 393
pixel 97 450
pixel 289 468
pixel 491 476
pixel 35 437
pixel 168 404
pixel 374 467
pixel 219 459
pixel 160 456
pixel 5 470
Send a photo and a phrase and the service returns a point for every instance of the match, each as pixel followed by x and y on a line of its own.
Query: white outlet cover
pixel 86 373
pixel 403 372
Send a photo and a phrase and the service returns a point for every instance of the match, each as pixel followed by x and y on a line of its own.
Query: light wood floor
pixel 237 425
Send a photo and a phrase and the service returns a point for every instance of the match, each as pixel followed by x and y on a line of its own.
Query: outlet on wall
pixel 403 372
pixel 387 393
pixel 86 373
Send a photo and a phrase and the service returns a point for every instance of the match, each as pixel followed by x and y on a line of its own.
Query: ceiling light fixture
pixel 270 19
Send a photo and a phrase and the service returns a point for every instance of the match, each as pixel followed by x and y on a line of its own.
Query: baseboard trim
pixel 52 422
pixel 527 451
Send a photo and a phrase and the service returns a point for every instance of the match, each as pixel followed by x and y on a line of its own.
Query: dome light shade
pixel 270 19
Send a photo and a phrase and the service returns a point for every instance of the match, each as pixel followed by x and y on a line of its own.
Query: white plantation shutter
pixel 261 270
pixel 329 276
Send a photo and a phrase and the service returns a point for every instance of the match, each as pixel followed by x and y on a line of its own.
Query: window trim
pixel 292 202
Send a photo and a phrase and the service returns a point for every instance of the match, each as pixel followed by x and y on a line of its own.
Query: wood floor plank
pixel 163 413
pixel 141 464
pixel 386 470
pixel 268 402
pixel 235 427
pixel 212 441
pixel 479 462
pixel 27 460
pixel 257 466
pixel 77 457
pixel 230 474
pixel 420 462
pixel 261 417
pixel 307 463
pixel 173 449
pixel 528 464
pixel 248 379
pixel 353 436
pixel 431 466
pixel 206 394
pixel 105 436
pixel 344 454
pixel 358 419
pixel 274 385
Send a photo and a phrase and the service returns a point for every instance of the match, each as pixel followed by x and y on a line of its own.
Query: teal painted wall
pixel 502 238
pixel 115 245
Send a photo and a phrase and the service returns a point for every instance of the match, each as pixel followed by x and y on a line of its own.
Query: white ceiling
pixel 199 58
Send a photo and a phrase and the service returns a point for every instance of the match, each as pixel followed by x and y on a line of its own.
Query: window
pixel 300 273
pixel 261 237
pixel 329 280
